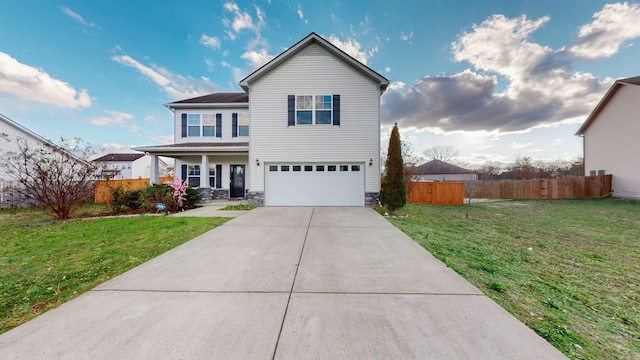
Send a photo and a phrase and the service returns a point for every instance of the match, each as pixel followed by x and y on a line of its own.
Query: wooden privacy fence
pixel 561 188
pixel 105 187
pixel 435 193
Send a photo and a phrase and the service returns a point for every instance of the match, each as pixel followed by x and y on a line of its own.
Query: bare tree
pixel 471 188
pixel 442 153
pixel 58 177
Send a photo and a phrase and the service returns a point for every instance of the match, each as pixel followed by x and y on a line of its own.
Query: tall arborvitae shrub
pixel 393 193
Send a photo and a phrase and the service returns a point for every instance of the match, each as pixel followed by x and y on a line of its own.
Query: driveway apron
pixel 283 283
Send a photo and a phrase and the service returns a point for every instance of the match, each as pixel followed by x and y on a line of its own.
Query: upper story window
pixel 208 125
pixel 243 124
pixel 193 123
pixel 201 125
pixel 313 110
pixel 240 124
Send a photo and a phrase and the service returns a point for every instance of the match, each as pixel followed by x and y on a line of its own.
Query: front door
pixel 237 181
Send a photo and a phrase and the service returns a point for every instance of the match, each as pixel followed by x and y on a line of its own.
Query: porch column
pixel 154 172
pixel 204 172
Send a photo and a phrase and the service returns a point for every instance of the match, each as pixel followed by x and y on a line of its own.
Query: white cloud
pixel 353 49
pixel 257 58
pixel 242 20
pixel 114 118
pixel 540 89
pixel 163 139
pixel 135 128
pixel 406 36
pixel 176 86
pixel 501 45
pixel 387 69
pixel 210 41
pixel 35 84
pixel 113 148
pixel 612 27
pixel 301 14
pixel 151 119
pixel 75 16
pixel 210 64
pixel 515 146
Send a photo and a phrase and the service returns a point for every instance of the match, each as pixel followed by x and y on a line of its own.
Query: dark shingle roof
pixel 120 157
pixel 631 80
pixel 217 98
pixel 440 167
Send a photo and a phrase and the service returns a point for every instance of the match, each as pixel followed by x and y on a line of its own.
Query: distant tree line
pixel 525 168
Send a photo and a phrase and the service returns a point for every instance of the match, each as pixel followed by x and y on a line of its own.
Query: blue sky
pixel 494 79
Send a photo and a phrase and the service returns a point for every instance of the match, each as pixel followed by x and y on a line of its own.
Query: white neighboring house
pixel 436 170
pixel 129 166
pixel 10 131
pixel 305 131
pixel 611 138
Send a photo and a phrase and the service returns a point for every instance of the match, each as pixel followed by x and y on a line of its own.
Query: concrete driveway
pixel 284 283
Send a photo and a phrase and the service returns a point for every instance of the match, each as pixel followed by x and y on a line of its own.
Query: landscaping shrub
pixel 158 193
pixel 125 200
pixel 193 197
pixel 163 193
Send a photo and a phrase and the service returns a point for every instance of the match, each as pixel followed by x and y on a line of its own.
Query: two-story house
pixel 305 131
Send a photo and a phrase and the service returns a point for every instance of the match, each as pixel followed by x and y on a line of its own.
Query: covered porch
pixel 217 170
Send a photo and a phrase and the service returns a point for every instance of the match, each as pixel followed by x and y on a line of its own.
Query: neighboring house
pixel 611 138
pixel 436 170
pixel 128 166
pixel 10 132
pixel 306 131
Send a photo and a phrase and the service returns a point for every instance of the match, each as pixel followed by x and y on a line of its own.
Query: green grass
pixel 44 263
pixel 239 207
pixel 570 270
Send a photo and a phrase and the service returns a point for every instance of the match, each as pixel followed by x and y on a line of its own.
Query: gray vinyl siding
pixel 612 142
pixel 315 72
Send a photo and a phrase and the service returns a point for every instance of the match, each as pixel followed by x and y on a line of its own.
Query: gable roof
pixel 25 130
pixel 220 99
pixel 314 38
pixel 440 167
pixel 633 81
pixel 39 138
pixel 120 157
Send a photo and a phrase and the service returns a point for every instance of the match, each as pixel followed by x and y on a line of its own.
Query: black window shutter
pixel 219 125
pixel 218 176
pixel 184 172
pixel 291 104
pixel 184 125
pixel 336 110
pixel 234 125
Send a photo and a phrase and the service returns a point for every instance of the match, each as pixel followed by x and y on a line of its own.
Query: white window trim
pixel 314 110
pixel 201 125
pixel 239 125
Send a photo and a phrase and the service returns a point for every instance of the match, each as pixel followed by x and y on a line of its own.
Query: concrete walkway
pixel 284 283
pixel 212 209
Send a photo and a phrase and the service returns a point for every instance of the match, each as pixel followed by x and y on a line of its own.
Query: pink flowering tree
pixel 179 190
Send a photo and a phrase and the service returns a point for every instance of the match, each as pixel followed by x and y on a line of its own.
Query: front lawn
pixel 569 269
pixel 44 263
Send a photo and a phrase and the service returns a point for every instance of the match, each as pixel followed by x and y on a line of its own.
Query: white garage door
pixel 314 185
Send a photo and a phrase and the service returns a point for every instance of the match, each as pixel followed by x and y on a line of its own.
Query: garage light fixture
pixel 370 162
pixel 257 162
